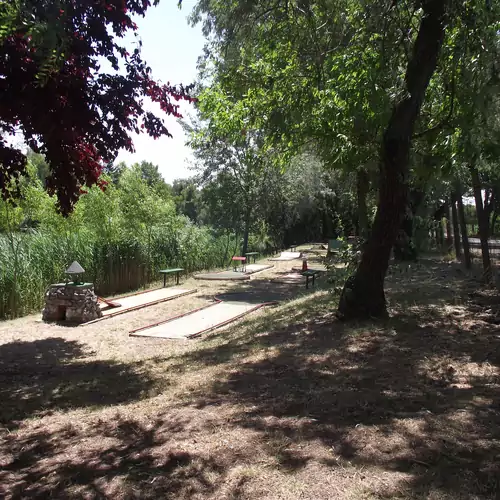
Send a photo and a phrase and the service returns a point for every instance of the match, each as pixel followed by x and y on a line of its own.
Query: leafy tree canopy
pixel 53 90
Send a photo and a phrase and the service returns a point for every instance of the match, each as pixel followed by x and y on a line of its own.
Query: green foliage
pixel 187 198
pixel 325 76
pixel 121 237
pixel 229 159
pixel 342 264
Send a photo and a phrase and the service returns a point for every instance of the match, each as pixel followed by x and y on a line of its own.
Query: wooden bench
pixel 252 254
pixel 241 260
pixel 310 273
pixel 177 271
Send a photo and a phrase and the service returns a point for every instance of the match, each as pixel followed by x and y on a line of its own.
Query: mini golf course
pixel 222 275
pixel 233 275
pixel 194 323
pixel 287 256
pixel 139 300
pixel 257 268
pixel 291 278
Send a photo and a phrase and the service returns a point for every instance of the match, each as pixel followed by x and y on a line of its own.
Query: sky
pixel 171 48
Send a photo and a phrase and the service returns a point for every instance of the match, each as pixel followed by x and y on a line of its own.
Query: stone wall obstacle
pixel 74 303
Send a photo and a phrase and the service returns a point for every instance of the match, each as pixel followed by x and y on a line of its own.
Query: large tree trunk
pixel 362 187
pixel 463 229
pixel 363 294
pixel 405 248
pixel 483 224
pixel 456 230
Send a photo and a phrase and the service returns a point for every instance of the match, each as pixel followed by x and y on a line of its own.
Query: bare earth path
pixel 284 404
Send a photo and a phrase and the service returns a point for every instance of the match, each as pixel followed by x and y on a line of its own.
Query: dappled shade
pixel 40 376
pixel 290 402
pixel 132 449
pixel 417 395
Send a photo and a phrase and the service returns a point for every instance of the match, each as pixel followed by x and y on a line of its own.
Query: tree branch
pixel 444 122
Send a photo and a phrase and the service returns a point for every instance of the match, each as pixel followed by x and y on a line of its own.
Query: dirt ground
pixel 287 403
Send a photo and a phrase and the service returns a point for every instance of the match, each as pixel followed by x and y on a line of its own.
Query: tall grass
pixel 29 262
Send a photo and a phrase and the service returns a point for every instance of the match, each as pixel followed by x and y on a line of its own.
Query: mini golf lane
pixel 222 275
pixel 200 320
pixel 140 300
pixel 288 256
pixel 233 275
pixel 257 268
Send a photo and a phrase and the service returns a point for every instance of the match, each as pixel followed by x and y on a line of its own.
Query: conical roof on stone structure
pixel 75 268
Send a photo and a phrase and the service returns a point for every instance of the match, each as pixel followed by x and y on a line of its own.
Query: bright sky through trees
pixel 171 47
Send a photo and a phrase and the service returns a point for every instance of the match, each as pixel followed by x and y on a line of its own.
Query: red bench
pixel 242 260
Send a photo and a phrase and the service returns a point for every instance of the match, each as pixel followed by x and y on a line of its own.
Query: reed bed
pixel 30 261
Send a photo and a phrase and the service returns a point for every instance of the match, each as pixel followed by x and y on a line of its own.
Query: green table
pixel 170 271
pixel 334 246
pixel 311 273
pixel 252 254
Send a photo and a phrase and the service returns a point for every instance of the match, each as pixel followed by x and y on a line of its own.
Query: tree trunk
pixel 489 206
pixel 463 229
pixel 456 230
pixel 483 224
pixel 236 243
pixel 362 187
pixel 440 234
pixel 449 238
pixel 405 248
pixel 363 294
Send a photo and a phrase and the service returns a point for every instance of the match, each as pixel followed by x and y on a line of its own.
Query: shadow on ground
pixel 261 290
pixel 413 400
pixel 52 374
pixel 120 458
pixel 418 394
